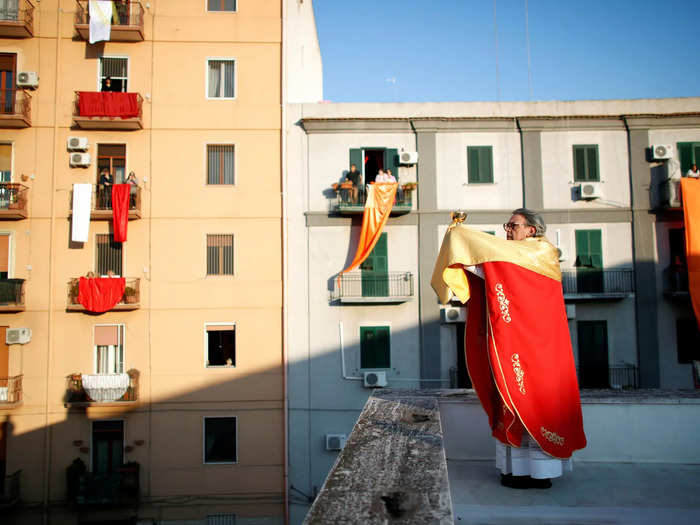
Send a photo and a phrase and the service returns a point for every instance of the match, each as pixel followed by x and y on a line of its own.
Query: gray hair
pixel 533 219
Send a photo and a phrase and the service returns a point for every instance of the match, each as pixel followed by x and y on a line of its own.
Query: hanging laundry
pixel 120 210
pixel 82 194
pixel 99 294
pixel 100 20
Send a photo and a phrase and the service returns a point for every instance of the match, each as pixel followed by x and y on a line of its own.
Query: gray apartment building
pixel 602 173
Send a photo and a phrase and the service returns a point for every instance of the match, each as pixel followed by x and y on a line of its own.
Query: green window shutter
pixel 586 163
pixel 589 248
pixel 689 153
pixel 391 161
pixel 356 158
pixel 480 164
pixel 592 163
pixel 375 347
pixel 374 270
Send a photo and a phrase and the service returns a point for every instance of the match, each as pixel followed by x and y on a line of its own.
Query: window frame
pixel 234 259
pixel 10 252
pixel 476 147
pixel 206 163
pixel 122 328
pixel 235 77
pixel 584 147
pixel 204 440
pixel 94 254
pixel 12 157
pixel 375 325
pixel 92 447
pixel 99 70
pixel 234 10
pixel 97 159
pixel 206 344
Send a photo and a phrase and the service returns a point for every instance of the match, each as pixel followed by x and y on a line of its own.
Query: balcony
pixel 10 490
pixel 13 201
pixel 594 285
pixel 15 109
pixel 107 110
pixel 10 390
pixel 131 300
pixel 90 389
pixel 344 204
pixel 617 377
pixel 366 287
pixel 676 282
pixel 127 21
pixel 101 204
pixel 11 295
pixel 117 488
pixel 17 19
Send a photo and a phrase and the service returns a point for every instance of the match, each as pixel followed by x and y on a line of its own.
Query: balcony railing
pixel 117 488
pixel 108 110
pixel 16 19
pixel 101 203
pixel 344 203
pixel 15 108
pixel 594 284
pixel 77 393
pixel 13 200
pixel 614 376
pixel 10 490
pixel 373 287
pixel 127 21
pixel 11 295
pixel 10 390
pixel 130 300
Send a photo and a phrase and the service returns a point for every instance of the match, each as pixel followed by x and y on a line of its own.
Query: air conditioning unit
pixel 408 157
pixel 79 160
pixel 661 151
pixel 27 79
pixel 571 311
pixel 453 314
pixel 561 254
pixel 335 441
pixel 374 379
pixel 18 336
pixel 591 190
pixel 78 143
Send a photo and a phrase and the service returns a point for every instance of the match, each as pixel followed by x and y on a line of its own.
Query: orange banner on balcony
pixel 690 193
pixel 380 200
pixel 100 294
pixel 120 210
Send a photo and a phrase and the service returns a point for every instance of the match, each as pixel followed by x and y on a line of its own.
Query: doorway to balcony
pixel 107 445
pixel 593 354
pixel 8 68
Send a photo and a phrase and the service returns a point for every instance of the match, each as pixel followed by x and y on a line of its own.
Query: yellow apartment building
pixel 169 407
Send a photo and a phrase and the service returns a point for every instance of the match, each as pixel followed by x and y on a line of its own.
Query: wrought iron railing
pixel 345 198
pixel 132 292
pixel 598 282
pixel 109 488
pixel 102 198
pixel 614 376
pixel 15 102
pixel 13 196
pixel 75 393
pixel 18 11
pixel 11 489
pixel 372 285
pixel 125 13
pixel 10 389
pixel 11 292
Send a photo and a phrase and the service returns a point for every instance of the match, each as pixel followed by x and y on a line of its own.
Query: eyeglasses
pixel 513 225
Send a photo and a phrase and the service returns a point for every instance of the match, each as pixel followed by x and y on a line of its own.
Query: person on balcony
pixel 383 177
pixel 120 13
pixel 104 189
pixel 693 172
pixel 355 177
pixel 133 189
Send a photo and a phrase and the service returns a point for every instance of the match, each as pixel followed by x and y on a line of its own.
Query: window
pixel 370 160
pixel 112 157
pixel 687 340
pixel 221 78
pixel 221 5
pixel 4 256
pixel 479 164
pixel 107 445
pixel 109 349
pixel 589 261
pixel 586 163
pixel 593 354
pixel 373 271
pixel 9 10
pixel 220 440
pixel 221 344
pixel 5 162
pixel 375 347
pixel 220 254
pixel 689 153
pixel 220 163
pixel 113 74
pixel 8 67
pixel 108 255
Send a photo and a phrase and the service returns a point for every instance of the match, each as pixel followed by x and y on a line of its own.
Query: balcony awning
pixel 105 387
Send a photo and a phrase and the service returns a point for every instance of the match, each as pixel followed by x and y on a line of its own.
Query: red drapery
pixel 101 293
pixel 108 104
pixel 120 210
pixel 690 193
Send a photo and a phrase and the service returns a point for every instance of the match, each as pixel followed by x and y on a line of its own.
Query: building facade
pixel 170 405
pixel 591 168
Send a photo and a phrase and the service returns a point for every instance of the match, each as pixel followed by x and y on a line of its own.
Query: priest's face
pixel 518 229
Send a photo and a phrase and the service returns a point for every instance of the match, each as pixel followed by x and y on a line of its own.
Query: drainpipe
pixel 522 159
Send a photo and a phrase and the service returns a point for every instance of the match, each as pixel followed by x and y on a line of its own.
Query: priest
pixel 517 345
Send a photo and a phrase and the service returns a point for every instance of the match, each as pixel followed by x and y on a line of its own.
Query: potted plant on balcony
pixel 130 296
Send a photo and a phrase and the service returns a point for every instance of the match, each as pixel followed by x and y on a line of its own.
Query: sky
pixel 457 50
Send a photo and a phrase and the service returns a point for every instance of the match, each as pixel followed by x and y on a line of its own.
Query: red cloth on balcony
pixel 100 294
pixel 108 104
pixel 120 210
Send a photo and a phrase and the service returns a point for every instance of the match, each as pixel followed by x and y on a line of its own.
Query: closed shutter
pixel 5 162
pixel 480 164
pixel 391 161
pixel 356 159
pixel 589 248
pixel 375 347
pixel 586 163
pixel 374 270
pixel 685 152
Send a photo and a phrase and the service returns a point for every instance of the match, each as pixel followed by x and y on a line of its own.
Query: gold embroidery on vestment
pixel 552 436
pixel 519 374
pixel 503 302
